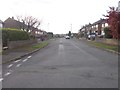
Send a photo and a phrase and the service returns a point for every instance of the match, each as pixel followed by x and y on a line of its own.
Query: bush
pixel 13 35
pixel 107 32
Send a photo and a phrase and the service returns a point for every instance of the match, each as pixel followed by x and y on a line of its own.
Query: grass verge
pixel 28 48
pixel 105 46
pixel 37 46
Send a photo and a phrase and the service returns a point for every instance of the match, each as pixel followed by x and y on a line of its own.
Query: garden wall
pixel 16 44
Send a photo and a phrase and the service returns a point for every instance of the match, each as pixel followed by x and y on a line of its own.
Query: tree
pixel 29 22
pixel 69 34
pixel 113 19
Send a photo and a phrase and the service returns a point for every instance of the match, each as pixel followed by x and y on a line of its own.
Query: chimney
pixel 13 18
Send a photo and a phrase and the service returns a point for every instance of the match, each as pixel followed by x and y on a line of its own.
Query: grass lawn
pixel 105 46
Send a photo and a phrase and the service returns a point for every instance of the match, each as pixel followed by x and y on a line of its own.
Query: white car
pixel 67 37
pixel 92 36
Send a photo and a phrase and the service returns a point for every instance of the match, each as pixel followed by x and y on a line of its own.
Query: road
pixel 63 64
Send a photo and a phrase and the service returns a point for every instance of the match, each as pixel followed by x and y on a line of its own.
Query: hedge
pixel 107 32
pixel 13 35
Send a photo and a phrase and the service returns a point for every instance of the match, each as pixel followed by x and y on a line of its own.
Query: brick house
pixel 97 27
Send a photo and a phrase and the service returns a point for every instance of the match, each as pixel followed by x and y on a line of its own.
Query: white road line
pixel 18 65
pixel 29 57
pixel 61 49
pixel 25 60
pixel 1 72
pixel 10 65
pixel 8 73
pixel 1 79
pixel 17 61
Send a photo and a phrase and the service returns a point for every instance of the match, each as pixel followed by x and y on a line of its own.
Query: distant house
pixel 1 24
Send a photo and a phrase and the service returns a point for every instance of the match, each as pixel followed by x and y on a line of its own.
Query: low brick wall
pixel 15 44
pixel 108 41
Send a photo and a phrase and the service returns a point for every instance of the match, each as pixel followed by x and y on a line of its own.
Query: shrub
pixel 107 32
pixel 13 35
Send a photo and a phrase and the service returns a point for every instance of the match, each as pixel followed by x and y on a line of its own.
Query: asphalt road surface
pixel 64 63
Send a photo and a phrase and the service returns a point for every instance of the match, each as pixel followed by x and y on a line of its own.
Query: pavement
pixel 64 63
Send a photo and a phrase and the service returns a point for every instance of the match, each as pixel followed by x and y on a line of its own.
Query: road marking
pixel 1 72
pixel 61 49
pixel 60 40
pixel 18 65
pixel 8 73
pixel 17 61
pixel 1 79
pixel 29 57
pixel 10 65
pixel 25 60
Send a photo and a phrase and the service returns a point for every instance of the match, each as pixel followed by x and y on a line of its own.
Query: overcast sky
pixel 57 15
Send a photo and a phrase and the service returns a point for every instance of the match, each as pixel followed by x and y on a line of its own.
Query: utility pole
pixel 71 27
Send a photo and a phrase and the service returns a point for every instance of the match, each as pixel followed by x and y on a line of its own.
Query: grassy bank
pixel 36 46
pixel 104 46
pixel 39 45
pixel 28 48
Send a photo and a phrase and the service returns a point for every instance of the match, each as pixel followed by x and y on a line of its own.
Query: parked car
pixel 67 37
pixel 91 36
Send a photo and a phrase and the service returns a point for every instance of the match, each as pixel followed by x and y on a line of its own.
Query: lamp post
pixel 71 27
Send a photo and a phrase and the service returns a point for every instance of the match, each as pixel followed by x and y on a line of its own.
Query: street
pixel 64 63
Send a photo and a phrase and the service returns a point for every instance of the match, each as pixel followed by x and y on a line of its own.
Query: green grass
pixel 37 46
pixel 104 46
pixel 28 48
pixel 40 45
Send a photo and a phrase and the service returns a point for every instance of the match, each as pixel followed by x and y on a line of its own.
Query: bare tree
pixel 29 22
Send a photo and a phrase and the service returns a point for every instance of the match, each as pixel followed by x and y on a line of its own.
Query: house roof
pixel 12 23
pixel 100 21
